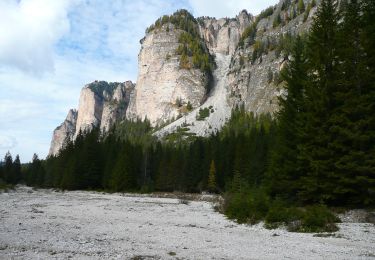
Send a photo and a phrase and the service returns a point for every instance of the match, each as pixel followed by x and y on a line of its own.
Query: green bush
pixel 264 14
pixel 318 218
pixel 203 113
pixel 280 214
pixel 246 207
pixel 250 32
pixel 253 205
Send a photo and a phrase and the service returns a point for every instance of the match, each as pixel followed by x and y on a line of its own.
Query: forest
pixel 316 154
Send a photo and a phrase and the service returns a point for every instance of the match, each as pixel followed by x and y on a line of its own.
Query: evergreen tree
pixel 315 152
pixel 284 171
pixel 211 185
pixel 8 165
pixel 15 176
pixel 35 173
pixel 351 118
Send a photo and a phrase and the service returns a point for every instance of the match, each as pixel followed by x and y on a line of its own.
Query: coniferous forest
pixel 316 153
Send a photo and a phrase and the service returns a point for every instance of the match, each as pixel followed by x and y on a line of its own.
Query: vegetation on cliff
pixel 192 49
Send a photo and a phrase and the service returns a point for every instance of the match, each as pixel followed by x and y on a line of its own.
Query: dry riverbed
pixel 44 224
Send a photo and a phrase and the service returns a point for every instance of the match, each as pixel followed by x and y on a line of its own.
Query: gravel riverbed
pixel 45 224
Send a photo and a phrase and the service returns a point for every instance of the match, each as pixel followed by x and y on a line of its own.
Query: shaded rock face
pixel 222 35
pixel 101 104
pixel 256 83
pixel 64 133
pixel 162 86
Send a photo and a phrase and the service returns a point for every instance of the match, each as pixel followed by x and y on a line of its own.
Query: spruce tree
pixel 8 165
pixel 16 171
pixel 284 170
pixel 353 118
pixel 314 152
pixel 211 185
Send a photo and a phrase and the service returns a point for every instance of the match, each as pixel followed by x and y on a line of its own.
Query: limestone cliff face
pixel 162 86
pixel 222 35
pixel 64 132
pixel 101 104
pixel 254 79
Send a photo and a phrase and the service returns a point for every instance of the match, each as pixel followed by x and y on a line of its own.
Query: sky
pixel 49 49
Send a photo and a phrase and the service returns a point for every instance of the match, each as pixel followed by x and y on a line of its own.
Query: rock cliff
pixel 254 74
pixel 222 35
pixel 64 133
pixel 188 65
pixel 101 104
pixel 163 87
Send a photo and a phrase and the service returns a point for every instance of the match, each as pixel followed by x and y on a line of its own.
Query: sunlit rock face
pixel 64 133
pixel 162 86
pixel 222 35
pixel 101 104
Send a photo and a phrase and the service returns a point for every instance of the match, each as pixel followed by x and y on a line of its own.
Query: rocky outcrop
pixel 163 88
pixel 254 75
pixel 222 35
pixel 64 133
pixel 101 104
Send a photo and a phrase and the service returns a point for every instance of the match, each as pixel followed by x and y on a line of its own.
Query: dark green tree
pixel 7 169
pixel 285 170
pixel 315 153
pixel 15 173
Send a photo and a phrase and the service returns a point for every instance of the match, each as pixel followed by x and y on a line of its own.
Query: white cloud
pixel 228 8
pixel 28 31
pixel 7 142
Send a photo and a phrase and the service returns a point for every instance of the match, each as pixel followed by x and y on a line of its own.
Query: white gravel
pixel 44 224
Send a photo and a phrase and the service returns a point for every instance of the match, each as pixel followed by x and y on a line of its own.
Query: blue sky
pixel 49 49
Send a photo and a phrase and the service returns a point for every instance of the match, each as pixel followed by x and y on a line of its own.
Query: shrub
pixel 246 207
pixel 276 21
pixel 318 218
pixel 265 13
pixel 250 32
pixel 189 107
pixel 203 113
pixel 280 214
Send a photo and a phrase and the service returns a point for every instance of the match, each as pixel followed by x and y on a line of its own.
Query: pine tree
pixel 284 171
pixel 315 152
pixel 16 171
pixel 368 104
pixel 8 165
pixel 211 185
pixel 351 117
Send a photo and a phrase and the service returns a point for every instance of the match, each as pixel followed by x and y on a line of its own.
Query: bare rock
pixel 161 82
